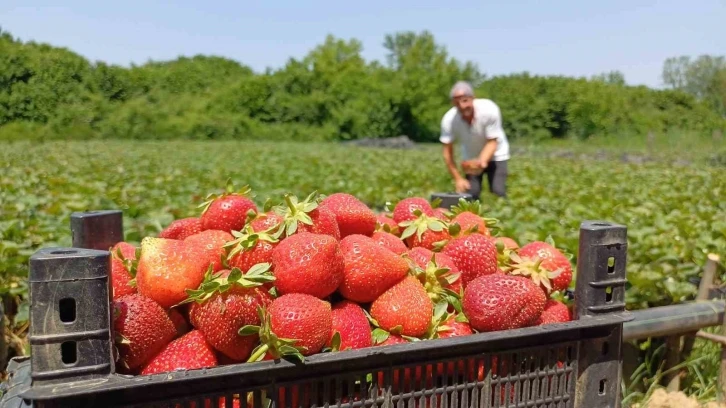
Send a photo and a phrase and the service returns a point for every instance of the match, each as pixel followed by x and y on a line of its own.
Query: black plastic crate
pixel 573 364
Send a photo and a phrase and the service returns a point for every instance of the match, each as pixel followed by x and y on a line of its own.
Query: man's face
pixel 464 103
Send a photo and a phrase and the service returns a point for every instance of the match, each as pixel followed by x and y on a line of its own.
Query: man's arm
pixel 493 131
pixel 450 164
pixel 487 152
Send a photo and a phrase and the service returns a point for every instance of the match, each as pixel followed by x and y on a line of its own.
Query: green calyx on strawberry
pixel 437 281
pixel 270 343
pixel 442 319
pixel 380 335
pixel 131 265
pixel 245 191
pixel 532 268
pixel 247 239
pixel 294 211
pixel 428 231
pixel 503 254
pixel 213 283
pixel 462 212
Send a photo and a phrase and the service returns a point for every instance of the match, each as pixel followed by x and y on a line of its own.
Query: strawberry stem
pixel 259 353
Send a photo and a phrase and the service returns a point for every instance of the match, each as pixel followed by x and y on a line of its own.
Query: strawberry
pixel 442 214
pixel 369 270
pixel 167 268
pixel 405 308
pixel 446 325
pixel 385 223
pixel 227 211
pixel 390 241
pixel 554 312
pixel 306 216
pixel 308 263
pixel 544 264
pixel 212 242
pixel 438 273
pixel 180 323
pixel 427 231
pixel 294 325
pixel 475 255
pixel 267 221
pixel 352 215
pixel 470 216
pixel 123 269
pixel 182 228
pixel 350 327
pixel 250 247
pixel 227 301
pixel 189 352
pixel 507 242
pixel 501 302
pixel 404 209
pixel 142 328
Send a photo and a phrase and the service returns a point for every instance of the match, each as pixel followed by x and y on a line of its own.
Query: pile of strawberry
pixel 326 274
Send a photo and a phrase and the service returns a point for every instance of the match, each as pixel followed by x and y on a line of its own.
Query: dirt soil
pixel 663 399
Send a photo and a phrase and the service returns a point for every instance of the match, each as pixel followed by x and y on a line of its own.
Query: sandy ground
pixel 663 399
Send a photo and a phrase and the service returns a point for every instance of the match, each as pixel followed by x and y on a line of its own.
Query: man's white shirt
pixel 487 124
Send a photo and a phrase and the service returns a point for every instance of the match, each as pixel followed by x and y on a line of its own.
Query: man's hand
pixel 472 167
pixel 462 185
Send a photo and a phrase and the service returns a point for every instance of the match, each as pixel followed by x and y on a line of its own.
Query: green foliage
pixel 331 93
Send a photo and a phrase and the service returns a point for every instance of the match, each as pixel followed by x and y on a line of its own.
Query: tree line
pixel 332 93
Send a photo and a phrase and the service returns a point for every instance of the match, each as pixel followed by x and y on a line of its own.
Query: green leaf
pixel 379 336
pixel 335 341
pixel 249 330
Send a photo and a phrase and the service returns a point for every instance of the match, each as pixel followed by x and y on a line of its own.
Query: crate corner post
pixel 601 279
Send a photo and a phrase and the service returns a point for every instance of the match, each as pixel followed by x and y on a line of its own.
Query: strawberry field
pixel 675 213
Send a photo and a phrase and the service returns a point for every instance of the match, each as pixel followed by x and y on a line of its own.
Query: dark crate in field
pixel 573 364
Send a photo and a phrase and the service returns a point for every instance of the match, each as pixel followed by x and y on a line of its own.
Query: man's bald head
pixel 462 96
pixel 461 88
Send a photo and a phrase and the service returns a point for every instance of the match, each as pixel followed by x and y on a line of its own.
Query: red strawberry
pixel 453 328
pixel 470 217
pixel 437 272
pixel 167 268
pixel 351 327
pixel 142 328
pixel 390 241
pixel 188 352
pixel 182 228
pixel 307 216
pixel 405 308
pixel 441 214
pixel 123 269
pixel 212 242
pixel 227 211
pixel 267 221
pixel 501 302
pixel 226 302
pixel 352 215
pixel 427 232
pixel 404 209
pixel 544 264
pixel 180 323
pixel 554 312
pixel 507 242
pixel 296 325
pixel 369 270
pixel 250 247
pixel 475 255
pixel 308 263
pixel 385 223
pixel 471 223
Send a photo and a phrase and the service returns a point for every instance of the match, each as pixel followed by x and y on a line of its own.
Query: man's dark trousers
pixel 496 173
